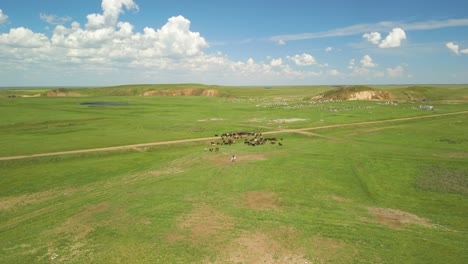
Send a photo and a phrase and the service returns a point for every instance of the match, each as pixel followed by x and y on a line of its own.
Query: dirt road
pixel 298 130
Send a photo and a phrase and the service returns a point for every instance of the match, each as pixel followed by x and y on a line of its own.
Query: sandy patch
pixel 369 95
pixel 260 201
pixel 396 219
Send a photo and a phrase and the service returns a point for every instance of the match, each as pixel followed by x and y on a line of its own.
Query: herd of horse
pixel 248 138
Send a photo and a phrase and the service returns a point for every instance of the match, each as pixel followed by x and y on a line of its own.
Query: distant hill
pixel 412 93
pixel 454 93
pixel 355 93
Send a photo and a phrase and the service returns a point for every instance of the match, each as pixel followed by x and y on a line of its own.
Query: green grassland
pixel 388 192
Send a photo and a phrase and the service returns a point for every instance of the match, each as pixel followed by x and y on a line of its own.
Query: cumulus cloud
pixel 455 48
pixel 276 62
pixel 366 61
pixel 303 60
pixel 23 38
pixel 250 61
pixel 281 42
pixel 3 17
pixel 373 37
pixel 393 39
pixel 328 49
pixel 111 11
pixel 395 72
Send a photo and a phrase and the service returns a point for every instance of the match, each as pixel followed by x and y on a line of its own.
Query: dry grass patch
pixel 340 199
pixel 452 155
pixel 259 248
pixel 202 224
pixel 396 219
pixel 15 202
pixel 260 201
pixel 327 250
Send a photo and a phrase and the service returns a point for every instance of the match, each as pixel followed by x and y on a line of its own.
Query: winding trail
pixel 297 130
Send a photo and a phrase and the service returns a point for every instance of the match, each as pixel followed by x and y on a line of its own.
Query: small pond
pixel 99 104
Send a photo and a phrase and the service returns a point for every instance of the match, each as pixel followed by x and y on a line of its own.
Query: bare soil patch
pixel 260 201
pixel 58 93
pixel 370 95
pixel 396 219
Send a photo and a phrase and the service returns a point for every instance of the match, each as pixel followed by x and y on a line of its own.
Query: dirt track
pixel 298 130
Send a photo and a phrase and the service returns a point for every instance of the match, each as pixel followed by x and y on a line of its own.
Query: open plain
pixel 143 174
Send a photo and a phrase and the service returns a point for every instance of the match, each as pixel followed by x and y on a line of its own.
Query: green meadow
pixel 361 181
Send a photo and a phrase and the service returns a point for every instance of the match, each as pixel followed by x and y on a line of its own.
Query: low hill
pixel 355 93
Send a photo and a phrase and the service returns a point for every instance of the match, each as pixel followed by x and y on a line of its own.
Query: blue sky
pixel 243 42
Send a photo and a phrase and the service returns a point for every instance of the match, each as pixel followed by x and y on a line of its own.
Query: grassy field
pixel 390 192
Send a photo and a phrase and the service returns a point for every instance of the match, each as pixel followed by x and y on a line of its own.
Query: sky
pixel 239 43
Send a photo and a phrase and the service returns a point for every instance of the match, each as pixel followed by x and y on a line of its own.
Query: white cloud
pixel 373 37
pixel 328 49
pixel 3 17
pixel 54 20
pixel 276 62
pixel 396 72
pixel 111 11
pixel 367 62
pixel 394 38
pixel 250 61
pixel 381 26
pixel 281 42
pixel 303 60
pixel 23 38
pixel 455 48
